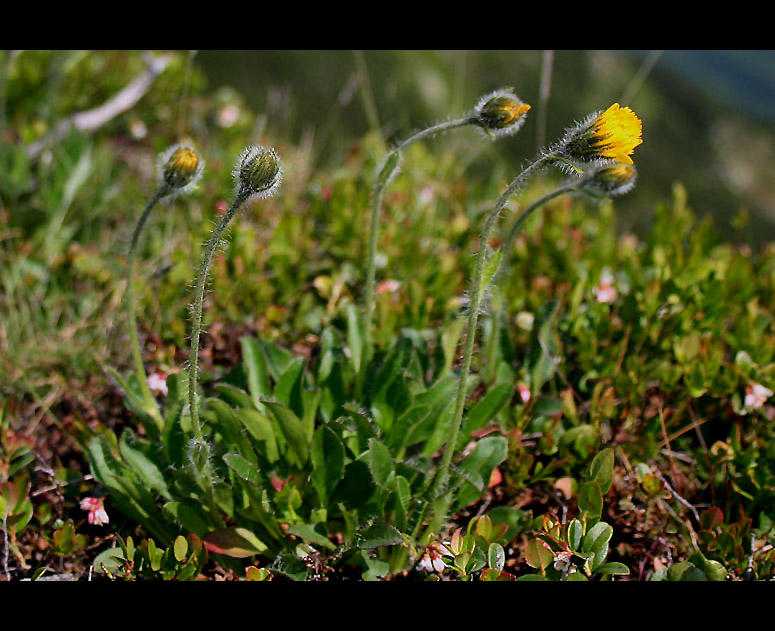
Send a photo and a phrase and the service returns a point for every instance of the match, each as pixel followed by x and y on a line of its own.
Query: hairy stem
pixel 477 291
pixel 151 406
pixel 371 260
pixel 196 313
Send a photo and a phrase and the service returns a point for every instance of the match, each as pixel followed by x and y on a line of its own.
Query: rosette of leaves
pixel 302 469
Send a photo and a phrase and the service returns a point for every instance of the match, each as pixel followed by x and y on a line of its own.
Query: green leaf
pixel 309 534
pixel 293 430
pixel 491 268
pixel 289 387
pixel 234 542
pixel 380 463
pixel 489 452
pixel 547 406
pixel 261 429
pixel 602 469
pixel 388 169
pixel 575 534
pixel 256 370
pixel 356 487
pixel 277 358
pixel 496 556
pixel 376 535
pixel 485 410
pixel 233 397
pixel 714 570
pixel 327 455
pixel 449 341
pixel 354 336
pixel 394 365
pixel 228 426
pixel 180 549
pixel 243 468
pixel 597 538
pixel 537 555
pixel 613 567
pixel 188 517
pixel 110 560
pixel 591 499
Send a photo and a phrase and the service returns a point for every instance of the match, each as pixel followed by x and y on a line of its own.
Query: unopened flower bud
pixel 500 113
pixel 612 179
pixel 258 172
pixel 180 167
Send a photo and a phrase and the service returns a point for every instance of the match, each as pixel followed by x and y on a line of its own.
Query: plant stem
pixel 201 462
pixel 371 260
pixel 508 245
pixel 151 406
pixel 477 291
pixel 196 313
pixel 561 190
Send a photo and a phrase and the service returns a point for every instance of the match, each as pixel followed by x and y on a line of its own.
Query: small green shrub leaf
pixel 602 469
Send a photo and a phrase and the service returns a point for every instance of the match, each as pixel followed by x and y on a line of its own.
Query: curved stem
pixel 196 313
pixel 477 291
pixel 561 190
pixel 151 404
pixel 508 245
pixel 376 211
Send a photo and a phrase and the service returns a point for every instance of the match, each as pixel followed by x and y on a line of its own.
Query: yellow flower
pixel 616 133
pixel 611 135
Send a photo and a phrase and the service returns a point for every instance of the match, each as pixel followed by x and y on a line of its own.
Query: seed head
pixel 258 172
pixel 500 113
pixel 179 168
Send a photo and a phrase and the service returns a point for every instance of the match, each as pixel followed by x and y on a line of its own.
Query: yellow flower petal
pixel 617 132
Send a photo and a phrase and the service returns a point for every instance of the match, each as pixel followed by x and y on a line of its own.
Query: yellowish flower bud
pixel 500 113
pixel 613 179
pixel 180 167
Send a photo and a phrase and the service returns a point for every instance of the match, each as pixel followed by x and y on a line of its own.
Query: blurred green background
pixel 708 115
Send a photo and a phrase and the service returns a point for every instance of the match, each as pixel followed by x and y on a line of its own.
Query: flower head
pixel 500 113
pixel 97 514
pixel 179 168
pixel 258 172
pixel 611 134
pixel 756 395
pixel 432 558
pixel 157 382
pixel 605 290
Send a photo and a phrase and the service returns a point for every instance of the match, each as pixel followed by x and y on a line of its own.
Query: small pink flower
pixel 756 395
pixel 157 382
pixel 605 291
pixel 97 514
pixel 389 286
pixel 524 392
pixel 431 561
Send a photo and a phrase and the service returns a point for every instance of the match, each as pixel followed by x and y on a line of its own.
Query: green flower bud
pixel 258 172
pixel 500 113
pixel 179 168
